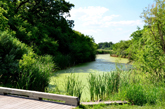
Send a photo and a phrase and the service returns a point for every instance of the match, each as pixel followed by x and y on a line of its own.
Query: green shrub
pixel 121 48
pixel 11 50
pixel 152 95
pixel 20 67
pixel 62 61
pixel 162 94
pixel 139 94
pixel 35 69
pixel 136 94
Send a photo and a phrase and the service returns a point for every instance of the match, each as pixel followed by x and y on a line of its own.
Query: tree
pixel 42 25
pixel 121 48
pixel 150 53
pixel 105 45
pixel 3 20
pixel 154 19
pixel 38 22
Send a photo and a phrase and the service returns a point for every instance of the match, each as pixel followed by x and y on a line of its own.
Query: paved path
pixel 14 102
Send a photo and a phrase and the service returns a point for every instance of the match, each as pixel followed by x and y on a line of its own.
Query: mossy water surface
pixel 103 64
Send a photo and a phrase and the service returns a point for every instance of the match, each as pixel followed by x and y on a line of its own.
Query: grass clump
pixel 130 86
pixel 138 89
pixel 73 86
pixel 125 106
pixel 136 94
pixel 101 86
pixel 35 72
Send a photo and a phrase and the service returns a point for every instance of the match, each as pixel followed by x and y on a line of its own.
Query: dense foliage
pixel 147 46
pixel 121 48
pixel 105 45
pixel 150 57
pixel 37 34
pixel 43 26
pixel 103 51
pixel 20 67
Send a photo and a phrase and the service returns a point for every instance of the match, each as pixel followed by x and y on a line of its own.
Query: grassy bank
pixel 126 106
pixel 103 51
pixel 136 87
pixel 122 54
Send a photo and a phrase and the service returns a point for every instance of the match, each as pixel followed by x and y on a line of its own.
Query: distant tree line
pixel 105 45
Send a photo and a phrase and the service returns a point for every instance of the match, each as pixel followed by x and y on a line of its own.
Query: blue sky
pixel 108 20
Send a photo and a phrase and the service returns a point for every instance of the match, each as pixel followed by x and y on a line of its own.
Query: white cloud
pixel 87 13
pixel 109 18
pixel 104 26
pixel 90 31
pixel 128 22
pixel 119 29
pixel 95 16
pixel 91 16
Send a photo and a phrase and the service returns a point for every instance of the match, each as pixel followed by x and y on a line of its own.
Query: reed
pixel 132 86
pixel 91 85
pixel 103 85
pixel 73 86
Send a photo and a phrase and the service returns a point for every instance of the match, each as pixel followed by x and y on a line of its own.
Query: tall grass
pixel 73 86
pixel 103 85
pixel 70 84
pixel 91 81
pixel 132 86
pixel 24 80
pixel 138 89
pixel 35 72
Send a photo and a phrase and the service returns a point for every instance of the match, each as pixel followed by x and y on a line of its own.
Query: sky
pixel 108 20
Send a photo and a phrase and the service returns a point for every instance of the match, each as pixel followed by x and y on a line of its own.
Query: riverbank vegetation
pixel 147 50
pixel 115 106
pixel 133 86
pixel 147 46
pixel 121 49
pixel 144 84
pixel 104 47
pixel 36 39
pixel 103 51
pixel 21 67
